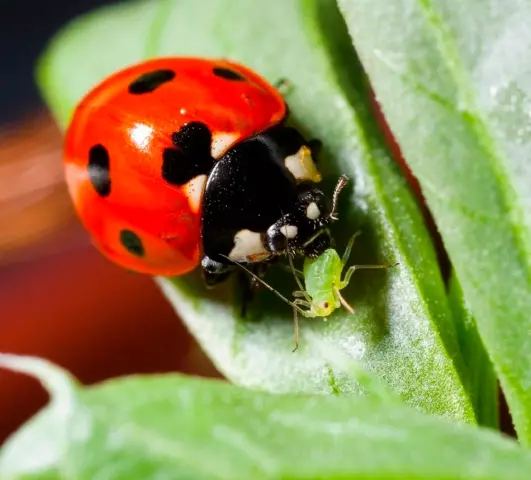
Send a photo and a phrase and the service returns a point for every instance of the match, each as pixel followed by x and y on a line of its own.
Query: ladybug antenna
pixel 343 180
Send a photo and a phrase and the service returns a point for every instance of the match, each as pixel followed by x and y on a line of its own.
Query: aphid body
pixel 322 283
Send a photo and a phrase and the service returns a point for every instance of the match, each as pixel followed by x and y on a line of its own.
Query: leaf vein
pixel 486 140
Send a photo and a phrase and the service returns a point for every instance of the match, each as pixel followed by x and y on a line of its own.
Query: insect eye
pixel 325 304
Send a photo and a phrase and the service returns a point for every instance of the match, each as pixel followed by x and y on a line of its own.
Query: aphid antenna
pixel 343 180
pixel 290 254
pixel 296 308
pixel 265 284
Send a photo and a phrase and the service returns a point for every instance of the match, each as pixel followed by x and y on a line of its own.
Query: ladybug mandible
pixel 176 162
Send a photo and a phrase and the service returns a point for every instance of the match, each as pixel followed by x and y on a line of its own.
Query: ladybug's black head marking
pixel 98 170
pixel 132 243
pixel 227 74
pixel 191 155
pixel 148 82
pixel 318 244
pixel 304 228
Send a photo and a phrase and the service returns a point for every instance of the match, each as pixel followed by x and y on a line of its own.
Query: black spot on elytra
pixel 190 157
pixel 98 170
pixel 150 81
pixel 132 243
pixel 227 74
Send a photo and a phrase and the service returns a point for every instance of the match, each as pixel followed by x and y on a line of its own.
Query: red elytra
pixel 115 145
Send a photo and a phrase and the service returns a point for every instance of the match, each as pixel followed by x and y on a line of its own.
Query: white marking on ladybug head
pixel 289 231
pixel 301 165
pixel 246 244
pixel 141 135
pixel 194 191
pixel 221 142
pixel 312 211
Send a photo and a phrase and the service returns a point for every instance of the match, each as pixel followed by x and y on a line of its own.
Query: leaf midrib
pixel 360 117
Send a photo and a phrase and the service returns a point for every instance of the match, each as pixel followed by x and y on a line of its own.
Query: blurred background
pixel 59 298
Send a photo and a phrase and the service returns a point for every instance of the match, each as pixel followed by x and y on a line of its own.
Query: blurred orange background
pixel 59 298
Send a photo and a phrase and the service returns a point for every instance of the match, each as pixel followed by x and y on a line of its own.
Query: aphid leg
pixel 299 283
pixel 299 293
pixel 348 250
pixel 308 305
pixel 343 302
pixel 296 329
pixel 352 269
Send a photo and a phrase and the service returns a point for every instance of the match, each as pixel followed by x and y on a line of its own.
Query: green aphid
pixel 323 282
pixel 324 278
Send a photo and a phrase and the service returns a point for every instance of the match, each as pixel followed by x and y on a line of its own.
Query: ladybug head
pixel 304 229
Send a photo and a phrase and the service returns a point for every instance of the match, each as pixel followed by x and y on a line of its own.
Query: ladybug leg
pixel 316 146
pixel 246 291
pixel 259 269
pixel 248 285
pixel 213 279
pixel 214 272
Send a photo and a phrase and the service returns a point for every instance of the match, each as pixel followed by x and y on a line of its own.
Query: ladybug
pixel 178 162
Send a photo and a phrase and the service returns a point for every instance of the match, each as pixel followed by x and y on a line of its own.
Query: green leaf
pixel 482 385
pixel 454 81
pixel 403 331
pixel 170 426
